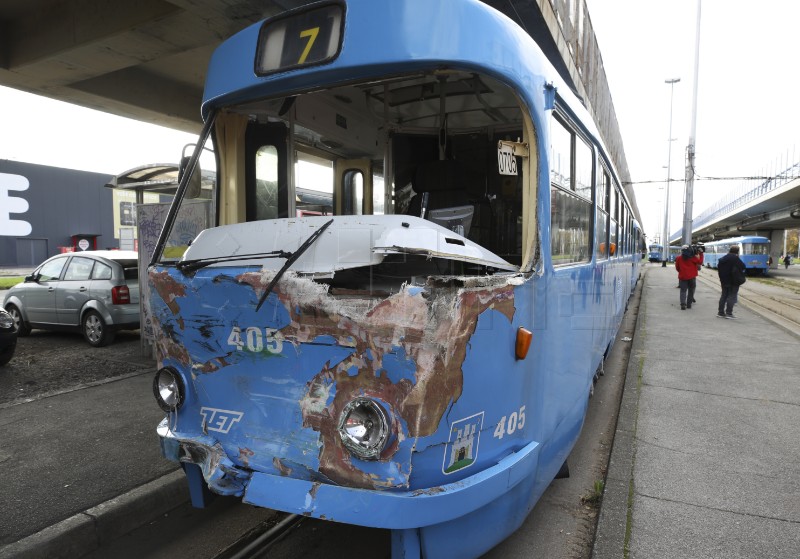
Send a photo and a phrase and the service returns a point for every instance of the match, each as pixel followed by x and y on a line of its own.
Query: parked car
pixel 94 292
pixel 8 337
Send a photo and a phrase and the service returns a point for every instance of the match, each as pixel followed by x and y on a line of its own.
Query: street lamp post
pixel 690 151
pixel 665 243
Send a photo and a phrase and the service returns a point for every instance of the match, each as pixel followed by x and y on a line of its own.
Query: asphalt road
pixel 77 427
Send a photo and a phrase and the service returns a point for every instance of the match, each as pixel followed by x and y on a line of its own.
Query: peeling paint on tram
pixel 406 350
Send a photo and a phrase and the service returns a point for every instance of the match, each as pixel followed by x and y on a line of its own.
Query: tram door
pixel 268 195
pixel 353 187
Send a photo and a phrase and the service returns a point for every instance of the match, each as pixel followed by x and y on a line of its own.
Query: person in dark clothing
pixel 687 263
pixel 727 267
pixel 786 261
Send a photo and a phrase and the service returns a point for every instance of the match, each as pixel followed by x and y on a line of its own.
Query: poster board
pixel 193 216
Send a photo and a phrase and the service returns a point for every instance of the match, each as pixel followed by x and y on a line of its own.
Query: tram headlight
pixel 168 389
pixel 364 428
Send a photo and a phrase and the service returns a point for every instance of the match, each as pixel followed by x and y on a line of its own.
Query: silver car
pixel 95 292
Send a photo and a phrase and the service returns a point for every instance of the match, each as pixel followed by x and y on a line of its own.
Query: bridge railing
pixel 746 193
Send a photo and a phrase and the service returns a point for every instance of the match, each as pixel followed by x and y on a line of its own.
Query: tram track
pixel 770 300
pixel 286 536
pixel 257 543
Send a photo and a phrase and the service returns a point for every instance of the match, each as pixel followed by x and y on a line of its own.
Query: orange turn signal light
pixel 524 338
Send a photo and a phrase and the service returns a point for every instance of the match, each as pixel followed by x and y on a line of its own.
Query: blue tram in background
pixel 674 251
pixel 753 251
pixel 419 355
pixel 654 252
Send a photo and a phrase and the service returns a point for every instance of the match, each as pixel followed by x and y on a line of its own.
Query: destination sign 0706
pixel 301 39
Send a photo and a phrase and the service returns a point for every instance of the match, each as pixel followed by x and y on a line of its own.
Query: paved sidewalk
pixel 706 457
pixel 83 467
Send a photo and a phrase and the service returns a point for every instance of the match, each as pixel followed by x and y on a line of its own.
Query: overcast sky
pixel 39 130
pixel 747 120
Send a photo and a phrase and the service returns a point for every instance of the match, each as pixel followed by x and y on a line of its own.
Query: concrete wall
pixel 570 25
pixel 41 207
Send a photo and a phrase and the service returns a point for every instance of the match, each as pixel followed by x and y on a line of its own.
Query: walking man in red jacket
pixel 687 263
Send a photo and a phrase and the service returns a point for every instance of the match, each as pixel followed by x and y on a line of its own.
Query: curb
pixel 88 530
pixel 613 529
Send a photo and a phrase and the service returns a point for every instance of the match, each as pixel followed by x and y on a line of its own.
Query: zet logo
pixel 13 205
pixel 218 420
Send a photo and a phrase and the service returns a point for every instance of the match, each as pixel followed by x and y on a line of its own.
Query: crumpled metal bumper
pixel 378 509
pixel 222 475
pixel 393 509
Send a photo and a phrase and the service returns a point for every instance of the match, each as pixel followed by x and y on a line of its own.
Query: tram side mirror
pixel 193 189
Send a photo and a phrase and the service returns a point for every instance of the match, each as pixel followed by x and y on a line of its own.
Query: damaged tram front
pixel 350 339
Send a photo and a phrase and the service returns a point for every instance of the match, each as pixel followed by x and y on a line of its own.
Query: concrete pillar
pixel 776 237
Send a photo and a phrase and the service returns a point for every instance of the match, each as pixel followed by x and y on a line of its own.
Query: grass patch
pixel 595 496
pixel 789 285
pixel 5 283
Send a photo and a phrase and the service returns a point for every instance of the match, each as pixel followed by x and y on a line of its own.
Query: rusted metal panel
pixel 406 349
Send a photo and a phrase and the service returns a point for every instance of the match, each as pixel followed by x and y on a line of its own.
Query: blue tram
pixel 654 252
pixel 674 251
pixel 753 250
pixel 420 357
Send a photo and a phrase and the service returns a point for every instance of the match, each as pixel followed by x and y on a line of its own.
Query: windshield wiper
pixel 292 258
pixel 192 265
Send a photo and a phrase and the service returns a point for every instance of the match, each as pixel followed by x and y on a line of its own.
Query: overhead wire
pixel 699 178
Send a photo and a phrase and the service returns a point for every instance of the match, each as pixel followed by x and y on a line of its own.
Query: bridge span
pixel 767 207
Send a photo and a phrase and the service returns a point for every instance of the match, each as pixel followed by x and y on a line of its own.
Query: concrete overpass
pixel 146 59
pixel 765 207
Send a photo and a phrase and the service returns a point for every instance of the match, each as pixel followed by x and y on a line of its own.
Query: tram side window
pixel 314 185
pixel 628 232
pixel 355 195
pixel 570 196
pixel 631 234
pixel 614 211
pixel 561 155
pixel 603 188
pixel 583 169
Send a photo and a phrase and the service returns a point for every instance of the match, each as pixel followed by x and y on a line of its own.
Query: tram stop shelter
pixel 148 216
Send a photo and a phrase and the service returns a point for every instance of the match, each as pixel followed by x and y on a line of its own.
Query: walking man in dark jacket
pixel 730 267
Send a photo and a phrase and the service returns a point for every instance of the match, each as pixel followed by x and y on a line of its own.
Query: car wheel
pixel 95 330
pixel 22 328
